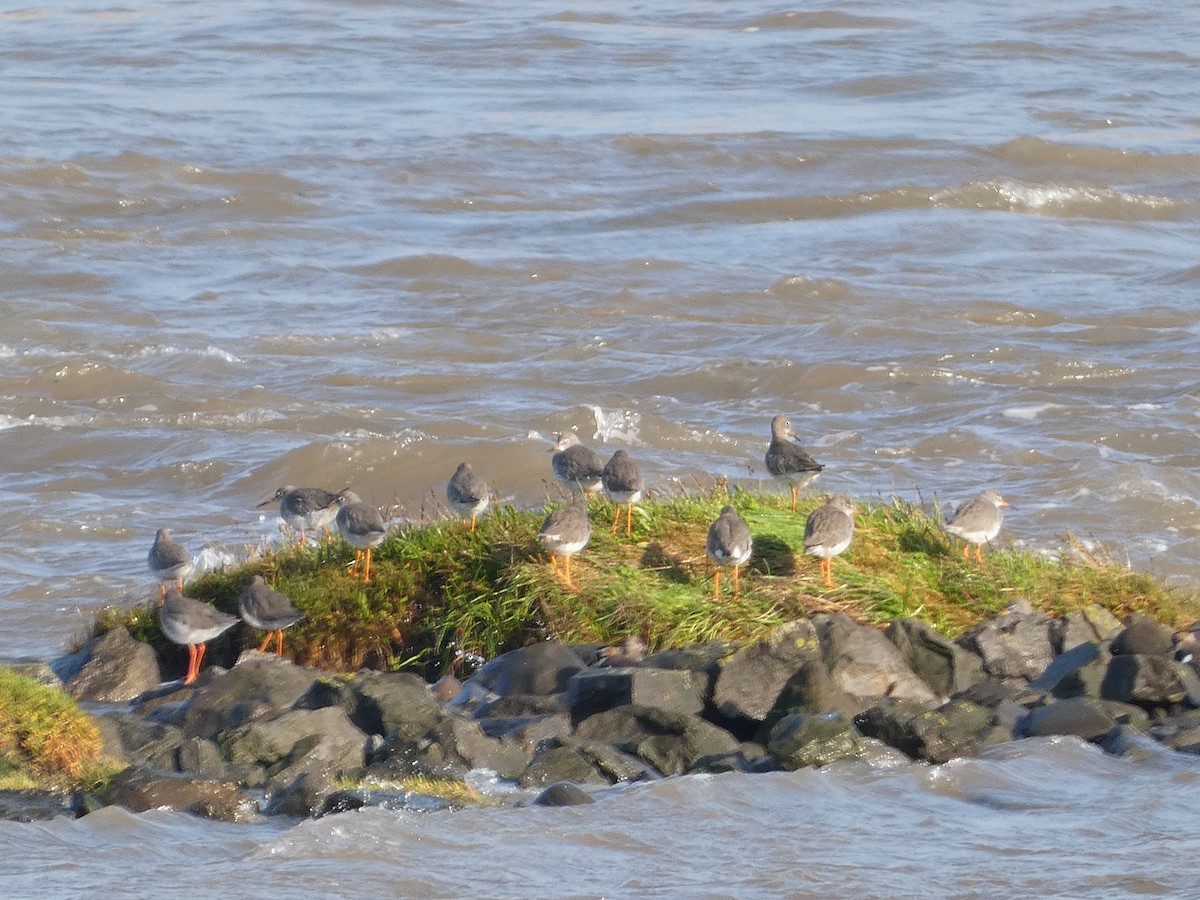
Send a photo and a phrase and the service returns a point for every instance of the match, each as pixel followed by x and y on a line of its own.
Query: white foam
pixel 1030 412
pixel 619 426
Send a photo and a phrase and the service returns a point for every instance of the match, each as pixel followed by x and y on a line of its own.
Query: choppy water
pixel 351 243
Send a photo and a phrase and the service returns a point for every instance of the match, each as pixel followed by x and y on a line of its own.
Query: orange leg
pixel 629 519
pixel 266 640
pixel 472 524
pixel 203 648
pixel 827 571
pixel 567 571
pixel 192 666
pixel 795 493
pixel 279 642
pixel 736 588
pixel 367 571
pixel 979 553
pixel 717 583
pixel 966 552
pixel 616 517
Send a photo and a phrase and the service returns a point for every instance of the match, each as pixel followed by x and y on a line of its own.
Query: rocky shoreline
pixel 267 737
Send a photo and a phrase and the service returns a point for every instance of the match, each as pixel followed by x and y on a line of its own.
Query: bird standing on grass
pixel 565 532
pixel 827 533
pixel 978 521
pixel 729 544
pixel 467 493
pixel 304 508
pixel 168 561
pixel 788 461
pixel 577 468
pixel 267 609
pixel 362 527
pixel 624 484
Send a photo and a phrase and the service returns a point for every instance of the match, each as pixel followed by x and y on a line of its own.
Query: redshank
pixel 624 485
pixel 193 624
pixel 565 532
pixel 789 462
pixel 577 468
pixel 304 508
pixel 168 560
pixel 264 608
pixel 362 526
pixel 827 533
pixel 467 493
pixel 978 521
pixel 729 544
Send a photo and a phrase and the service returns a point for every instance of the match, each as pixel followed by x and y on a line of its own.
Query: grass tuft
pixel 45 739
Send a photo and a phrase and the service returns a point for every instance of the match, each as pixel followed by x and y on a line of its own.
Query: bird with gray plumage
pixel 729 544
pixel 624 485
pixel 828 532
pixel 168 560
pixel 788 461
pixel 362 527
pixel 267 609
pixel 565 532
pixel 978 521
pixel 467 493
pixel 577 468
pixel 193 624
pixel 304 509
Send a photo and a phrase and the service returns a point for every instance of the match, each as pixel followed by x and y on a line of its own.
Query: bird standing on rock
pixel 267 609
pixel 788 461
pixel 362 527
pixel 978 521
pixel 168 560
pixel 467 493
pixel 624 484
pixel 193 624
pixel 827 533
pixel 577 468
pixel 729 544
pixel 304 508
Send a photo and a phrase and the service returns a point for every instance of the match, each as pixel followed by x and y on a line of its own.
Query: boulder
pixel 543 668
pixel 751 679
pixel 1079 716
pixel 596 690
pixel 384 702
pixel 296 739
pixel 864 663
pixel 956 728
pixel 257 689
pixel 1143 636
pixel 812 690
pixel 140 789
pixel 526 732
pixel 1092 624
pixel 36 805
pixel 116 669
pixel 1016 644
pixel 942 664
pixel 703 660
pixel 671 742
pixel 128 738
pixel 200 756
pixel 1078 672
pixel 563 793
pixel 803 739
pixel 1152 681
pixel 582 762
pixel 35 669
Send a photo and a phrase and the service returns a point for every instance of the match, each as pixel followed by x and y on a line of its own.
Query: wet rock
pixel 467 740
pixel 200 756
pixel 537 669
pixel 864 663
pixel 703 660
pixel 671 742
pixel 583 762
pixel 1014 645
pixel 128 738
pixel 1079 716
pixel 812 690
pixel 1142 635
pixel 942 664
pixel 139 789
pixel 1152 681
pixel 956 728
pixel 295 740
pixel 116 668
pixel 393 701
pixel 1092 624
pixel 1079 672
pixel 563 793
pixel 802 739
pixel 596 690
pixel 342 801
pixel 523 705
pixel 302 794
pixel 36 805
pixel 255 690
pixel 526 732
pixel 751 679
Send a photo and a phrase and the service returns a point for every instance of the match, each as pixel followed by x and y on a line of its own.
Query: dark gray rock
pixel 1143 636
pixel 117 668
pixel 139 789
pixel 200 756
pixel 302 795
pixel 812 690
pixel 671 742
pixel 864 663
pixel 563 793
pixel 596 690
pixel 467 740
pixel 751 679
pixel 802 739
pixel 1016 644
pixel 393 701
pixel 703 660
pixel 255 690
pixel 1078 672
pixel 942 664
pixel 523 705
pixel 36 805
pixel 295 740
pixel 1152 681
pixel 954 729
pixel 1080 716
pixel 1092 624
pixel 35 670
pixel 537 669
pixel 526 732
pixel 128 738
pixel 584 762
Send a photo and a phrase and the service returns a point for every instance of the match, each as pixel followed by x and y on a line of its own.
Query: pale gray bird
pixel 467 493
pixel 168 560
pixel 305 508
pixel 788 461
pixel 362 527
pixel 577 468
pixel 978 521
pixel 565 532
pixel 193 624
pixel 267 609
pixel 729 544
pixel 624 485
pixel 827 533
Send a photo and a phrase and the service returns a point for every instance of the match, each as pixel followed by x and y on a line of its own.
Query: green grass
pixel 440 593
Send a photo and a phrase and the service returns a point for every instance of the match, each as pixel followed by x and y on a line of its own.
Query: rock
pixel 671 742
pixel 389 701
pixel 117 668
pixel 303 795
pixel 1151 681
pixel 942 664
pixel 467 739
pixel 35 670
pixel 446 688
pixel 803 739
pixel 751 679
pixel 36 805
pixel 703 660
pixel 582 761
pixel 1143 635
pixel 1080 716
pixel 864 663
pixel 537 669
pixel 525 705
pixel 1092 624
pixel 526 732
pixel 812 690
pixel 130 739
pixel 255 690
pixel 1014 645
pixel 1077 673
pixel 563 793
pixel 292 741
pixel 595 690
pixel 956 728
pixel 200 756
pixel 139 789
